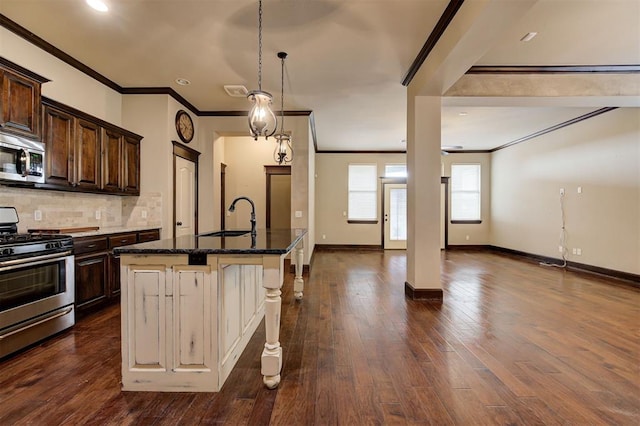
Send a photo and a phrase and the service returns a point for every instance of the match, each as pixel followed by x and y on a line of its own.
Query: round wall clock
pixel 184 126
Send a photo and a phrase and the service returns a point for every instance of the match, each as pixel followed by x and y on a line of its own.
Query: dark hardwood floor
pixel 513 343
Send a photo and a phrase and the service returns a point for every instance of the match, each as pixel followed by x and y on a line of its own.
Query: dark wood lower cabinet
pixel 97 271
pixel 91 280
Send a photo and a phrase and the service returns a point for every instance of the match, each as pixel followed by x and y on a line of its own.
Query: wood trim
pixel 192 155
pixel 223 193
pixel 23 71
pixel 312 125
pixel 428 294
pixel 270 171
pixel 185 152
pixel 444 21
pixel 444 180
pixel 468 151
pixel 329 247
pixel 554 69
pixel 624 277
pixel 554 128
pixel 474 247
pixel 360 152
pixel 54 51
pixel 160 91
pixel 84 116
pixel 290 113
pixel 466 222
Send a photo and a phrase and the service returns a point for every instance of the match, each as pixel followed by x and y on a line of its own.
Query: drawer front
pixel 123 240
pixel 149 235
pixel 89 245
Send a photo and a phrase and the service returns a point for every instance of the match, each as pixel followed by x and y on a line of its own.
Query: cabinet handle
pixel 91 246
pixel 123 241
pixel 179 223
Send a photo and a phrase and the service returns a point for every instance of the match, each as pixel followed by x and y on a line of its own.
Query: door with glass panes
pixel 395 216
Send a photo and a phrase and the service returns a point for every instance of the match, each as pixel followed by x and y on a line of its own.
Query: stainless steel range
pixel 36 284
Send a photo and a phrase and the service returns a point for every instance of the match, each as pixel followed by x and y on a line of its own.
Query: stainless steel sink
pixel 226 233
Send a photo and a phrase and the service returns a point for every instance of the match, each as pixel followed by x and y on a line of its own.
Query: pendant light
pixel 262 120
pixel 283 152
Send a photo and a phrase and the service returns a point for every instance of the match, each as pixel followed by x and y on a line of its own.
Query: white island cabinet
pixel 191 304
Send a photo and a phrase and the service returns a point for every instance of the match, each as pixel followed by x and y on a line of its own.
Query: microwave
pixel 21 160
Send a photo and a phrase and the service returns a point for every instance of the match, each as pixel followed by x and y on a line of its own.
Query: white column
pixel 272 353
pixel 298 282
pixel 423 197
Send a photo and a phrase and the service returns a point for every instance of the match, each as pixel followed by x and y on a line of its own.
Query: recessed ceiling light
pixel 98 5
pixel 183 81
pixel 463 113
pixel 528 36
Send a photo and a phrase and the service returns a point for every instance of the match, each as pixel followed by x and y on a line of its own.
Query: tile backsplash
pixel 60 209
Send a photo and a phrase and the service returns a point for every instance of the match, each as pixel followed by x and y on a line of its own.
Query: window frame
pixel 478 191
pixel 362 220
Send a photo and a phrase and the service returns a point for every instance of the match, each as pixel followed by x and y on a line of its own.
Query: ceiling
pixel 346 58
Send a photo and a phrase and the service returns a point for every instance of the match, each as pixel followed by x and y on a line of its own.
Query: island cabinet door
pixel 145 325
pixel 194 321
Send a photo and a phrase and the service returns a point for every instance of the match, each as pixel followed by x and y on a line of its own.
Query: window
pixel 465 192
pixel 395 170
pixel 363 192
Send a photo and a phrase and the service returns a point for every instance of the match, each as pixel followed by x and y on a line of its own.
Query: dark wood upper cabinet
pixel 20 107
pixel 131 165
pixel 88 154
pixel 112 159
pixel 59 144
pixel 84 153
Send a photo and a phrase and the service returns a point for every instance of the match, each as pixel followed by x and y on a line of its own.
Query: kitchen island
pixel 191 304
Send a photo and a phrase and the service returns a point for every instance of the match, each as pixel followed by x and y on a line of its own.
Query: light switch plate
pixel 298 213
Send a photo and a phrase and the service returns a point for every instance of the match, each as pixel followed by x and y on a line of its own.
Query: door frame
pixel 192 155
pixel 270 171
pixel 223 190
pixel 444 180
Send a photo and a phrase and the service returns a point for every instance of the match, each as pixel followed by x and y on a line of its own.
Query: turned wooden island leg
pixel 298 282
pixel 272 352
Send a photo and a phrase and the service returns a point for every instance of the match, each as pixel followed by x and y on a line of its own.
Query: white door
pixel 185 202
pixel 395 216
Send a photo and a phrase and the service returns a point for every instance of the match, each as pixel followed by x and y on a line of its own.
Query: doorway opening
pixel 278 196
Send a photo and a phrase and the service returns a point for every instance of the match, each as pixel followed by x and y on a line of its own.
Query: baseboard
pixel 475 247
pixel 291 267
pixel 627 277
pixel 330 247
pixel 429 294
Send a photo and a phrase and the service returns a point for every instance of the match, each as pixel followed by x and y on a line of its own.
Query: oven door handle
pixel 33 324
pixel 35 260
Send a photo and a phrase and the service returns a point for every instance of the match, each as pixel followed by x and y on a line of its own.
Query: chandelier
pixel 283 152
pixel 262 120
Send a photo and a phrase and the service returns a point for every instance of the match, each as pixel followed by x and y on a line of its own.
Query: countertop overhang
pixel 266 241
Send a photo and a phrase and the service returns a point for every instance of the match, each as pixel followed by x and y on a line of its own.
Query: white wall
pixel 332 198
pixel 67 85
pixel 602 156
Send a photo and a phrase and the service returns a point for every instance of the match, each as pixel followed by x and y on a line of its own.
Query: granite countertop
pixel 111 230
pixel 267 241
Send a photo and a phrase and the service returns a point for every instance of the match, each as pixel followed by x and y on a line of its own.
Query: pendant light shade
pixel 283 153
pixel 262 120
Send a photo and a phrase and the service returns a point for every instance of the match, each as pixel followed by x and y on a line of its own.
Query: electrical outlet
pixel 579 190
pixel 560 249
pixel 579 251
pixel 561 191
pixel 298 213
pixel 324 237
pixel 37 215
pixel 144 214
pixel 574 251
pixel 467 238
pixel 98 215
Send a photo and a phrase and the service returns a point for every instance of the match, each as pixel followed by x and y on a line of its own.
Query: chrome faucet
pixel 232 208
